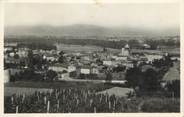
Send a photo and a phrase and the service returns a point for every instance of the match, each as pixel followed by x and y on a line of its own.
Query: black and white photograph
pixel 91 57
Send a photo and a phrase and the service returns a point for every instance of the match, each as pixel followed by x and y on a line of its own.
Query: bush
pixel 161 105
pixel 174 86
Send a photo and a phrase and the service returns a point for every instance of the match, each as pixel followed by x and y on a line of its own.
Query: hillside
pixel 173 73
pixel 86 30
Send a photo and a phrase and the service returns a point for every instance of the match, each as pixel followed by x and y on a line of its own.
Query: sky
pixel 151 15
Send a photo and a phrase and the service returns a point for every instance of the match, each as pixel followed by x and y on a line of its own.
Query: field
pixel 175 51
pixel 80 48
pixel 77 48
pixel 21 86
pixel 90 48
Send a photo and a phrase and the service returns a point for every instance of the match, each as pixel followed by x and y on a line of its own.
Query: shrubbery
pixel 161 105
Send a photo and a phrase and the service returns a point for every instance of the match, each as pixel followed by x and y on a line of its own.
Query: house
pixel 85 70
pixel 128 64
pixel 94 70
pixel 71 68
pixel 22 52
pixel 107 62
pixel 146 46
pixel 50 57
pixel 152 57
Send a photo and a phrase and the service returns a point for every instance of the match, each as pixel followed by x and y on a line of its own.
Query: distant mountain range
pixel 86 30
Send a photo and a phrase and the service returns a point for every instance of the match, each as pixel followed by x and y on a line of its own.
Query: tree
pixel 51 75
pixel 99 62
pixel 150 80
pixel 16 56
pixel 108 76
pixel 174 87
pixel 61 53
pixel 146 81
pixel 133 42
pixel 61 57
pixel 133 76
pixel 38 61
pixel 119 69
pixel 30 59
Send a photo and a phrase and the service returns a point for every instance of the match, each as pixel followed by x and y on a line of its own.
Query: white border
pixel 2 2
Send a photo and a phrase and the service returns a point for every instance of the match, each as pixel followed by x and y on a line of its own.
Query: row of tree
pixel 150 80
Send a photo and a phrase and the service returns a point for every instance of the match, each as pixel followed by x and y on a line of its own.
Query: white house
pixel 128 65
pixel 71 68
pixel 85 70
pixel 107 62
pixel 50 58
pixel 94 70
pixel 22 52
pixel 146 46
pixel 12 54
pixel 151 57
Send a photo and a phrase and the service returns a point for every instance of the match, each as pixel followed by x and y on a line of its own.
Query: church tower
pixel 126 50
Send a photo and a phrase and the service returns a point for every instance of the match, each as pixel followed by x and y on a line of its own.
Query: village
pixel 77 65
pixel 124 72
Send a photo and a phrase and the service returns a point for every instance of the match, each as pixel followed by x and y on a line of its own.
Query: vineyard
pixel 66 101
pixel 73 100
